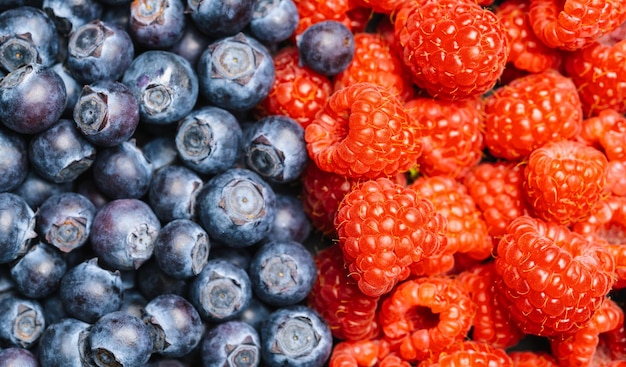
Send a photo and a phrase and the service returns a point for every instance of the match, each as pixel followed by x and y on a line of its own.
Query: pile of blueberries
pixel 146 219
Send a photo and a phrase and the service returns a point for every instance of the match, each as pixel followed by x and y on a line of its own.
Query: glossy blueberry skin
pixel 17 357
pixel 191 45
pixel 326 47
pixel 21 321
pixel 218 18
pixel 221 292
pixel 36 189
pixel 231 343
pixel 173 191
pixel 274 147
pixel 13 160
pixel 182 249
pixel 119 339
pixel 122 171
pixel 235 73
pixel 291 222
pixel 99 51
pixel 64 220
pixel 157 24
pixel 72 88
pixel 16 227
pixel 295 336
pixel 164 84
pixel 60 343
pixel 208 140
pixel 39 271
pixel 28 36
pixel 69 15
pixel 61 153
pixel 106 113
pixel 161 152
pixel 236 207
pixel 89 291
pixel 152 281
pixel 175 325
pixel 123 233
pixel 32 98
pixel 274 21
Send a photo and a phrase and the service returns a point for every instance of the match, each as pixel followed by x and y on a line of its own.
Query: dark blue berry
pixel 133 302
pixel 326 47
pixel 239 256
pixel 53 308
pixel 36 189
pixel 255 314
pixel 161 151
pixel 191 45
pixel 60 344
pixel 236 72
pixel 17 357
pixel 21 321
pixel 274 21
pixel 72 88
pixel 291 223
pixel 173 191
pixel 219 18
pixel 231 343
pixel 88 189
pixel 69 15
pixel 39 271
pixel 152 281
pixel 17 228
pixel 182 249
pixel 13 160
pixel 157 23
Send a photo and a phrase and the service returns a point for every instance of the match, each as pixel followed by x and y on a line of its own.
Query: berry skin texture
pixel 529 112
pixel 564 180
pixel 454 49
pixel 358 126
pixel 607 131
pixel 470 353
pixel 532 359
pixel 383 228
pixel 552 279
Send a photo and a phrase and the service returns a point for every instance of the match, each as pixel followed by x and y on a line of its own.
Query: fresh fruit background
pixel 343 183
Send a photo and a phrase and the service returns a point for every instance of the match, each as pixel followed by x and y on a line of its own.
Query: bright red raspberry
pixel 363 131
pixel 358 353
pixel 452 138
pixel 492 322
pixel 574 24
pixel 433 265
pixel 497 190
pixel 552 279
pixel 616 177
pixel 315 11
pixel 607 131
pixel 380 6
pixel 350 314
pixel 564 180
pixel 297 92
pixel 533 359
pixel 454 48
pixel 423 316
pixel 467 231
pixel 530 112
pixel 376 63
pixel 383 228
pixel 527 51
pixel 469 353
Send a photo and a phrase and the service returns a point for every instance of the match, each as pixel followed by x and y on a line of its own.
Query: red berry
pixel 607 131
pixel 616 177
pixel 469 353
pixel 533 359
pixel 315 11
pixel 364 352
pixel 433 265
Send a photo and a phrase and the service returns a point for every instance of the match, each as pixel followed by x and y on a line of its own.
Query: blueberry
pixel 191 45
pixel 119 339
pixel 72 88
pixel 88 291
pixel 99 51
pixel 13 160
pixel 88 189
pixel 39 271
pixel 182 249
pixel 239 256
pixel 295 336
pixel 133 302
pixel 53 308
pixel 122 171
pixel 221 292
pixel 274 21
pixel 152 281
pixel 231 343
pixel 32 98
pixel 27 36
pixel 236 207
pixel 157 23
pixel 60 343
pixel 236 72
pixel 274 147
pixel 161 151
pixel 64 220
pixel 107 113
pixel 61 153
pixel 36 189
pixel 291 222
pixel 219 18
pixel 21 321
pixel 175 325
pixel 69 15
pixel 208 140
pixel 165 85
pixel 17 224
pixel 255 314
pixel 17 357
pixel 123 233
pixel 173 191
pixel 326 47
pixel 117 14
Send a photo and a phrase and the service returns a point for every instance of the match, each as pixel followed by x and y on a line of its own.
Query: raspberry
pixel 564 180
pixel 467 231
pixel 527 51
pixel 533 359
pixel 383 228
pixel 381 6
pixel 423 316
pixel 454 49
pixel 363 131
pixel 374 62
pixel 315 11
pixel 616 177
pixel 607 131
pixel 530 112
pixel 335 295
pixel 297 92
pixel 551 279
pixel 574 24
pixel 433 265
pixel 358 353
pixel 497 190
pixel 452 139
pixel 470 353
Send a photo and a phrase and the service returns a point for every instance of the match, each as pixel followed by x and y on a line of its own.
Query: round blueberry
pixel 36 189
pixel 255 314
pixel 64 220
pixel 191 45
pixel 38 273
pixel 231 343
pixel 13 160
pixel 72 88
pixel 161 151
pixel 274 21
pixel 157 23
pixel 239 256
pixel 152 281
pixel 69 15
pixel 182 249
pixel 219 18
pixel 17 357
pixel 173 191
pixel 17 227
pixel 326 47
pixel 21 321
pixel 291 223
pixel 60 343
